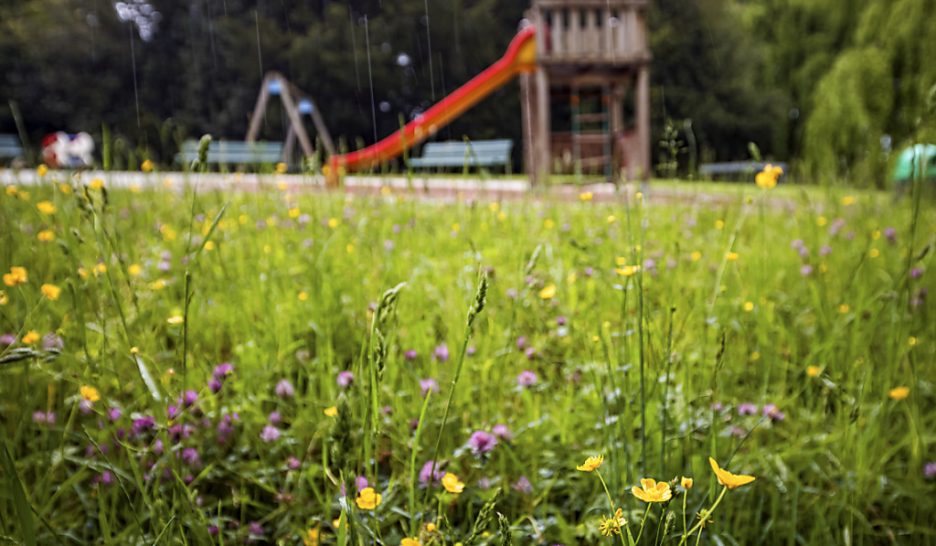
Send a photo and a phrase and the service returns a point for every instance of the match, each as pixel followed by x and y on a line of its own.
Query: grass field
pixel 182 368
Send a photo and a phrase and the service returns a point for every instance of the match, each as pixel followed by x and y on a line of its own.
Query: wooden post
pixel 296 120
pixel 541 128
pixel 643 119
pixel 526 119
pixel 259 108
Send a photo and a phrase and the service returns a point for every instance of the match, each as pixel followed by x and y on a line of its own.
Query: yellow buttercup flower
pixel 42 170
pixel 96 184
pixel 719 224
pixel 175 320
pixel 17 275
pixel 813 371
pixel 686 483
pixel 89 393
pixel 31 337
pixel 430 527
pixel 899 393
pixel 303 295
pixel 46 207
pixel 368 499
pixel 729 480
pixel 548 292
pixel 294 213
pixel 731 256
pixel 652 491
pixel 50 291
pixel 410 542
pixel 586 196
pixel 281 168
pixel 695 256
pixel 848 200
pixel 748 306
pixel 147 166
pixel 452 484
pixel 591 464
pixel 134 270
pixel 613 525
pixel 767 178
pixel 333 223
pixel 844 308
pixel 627 270
pixel 312 537
pixel 100 268
pixel 46 236
pixel 4 298
pixel 331 411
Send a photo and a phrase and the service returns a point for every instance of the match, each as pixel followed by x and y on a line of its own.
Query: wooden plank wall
pixel 595 31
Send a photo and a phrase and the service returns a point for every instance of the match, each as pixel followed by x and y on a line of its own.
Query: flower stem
pixel 704 518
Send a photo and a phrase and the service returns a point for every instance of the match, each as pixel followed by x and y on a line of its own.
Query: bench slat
pixel 454 153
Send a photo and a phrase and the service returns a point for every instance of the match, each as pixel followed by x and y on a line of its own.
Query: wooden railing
pixel 612 31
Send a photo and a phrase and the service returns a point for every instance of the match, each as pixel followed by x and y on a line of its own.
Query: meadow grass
pixel 776 339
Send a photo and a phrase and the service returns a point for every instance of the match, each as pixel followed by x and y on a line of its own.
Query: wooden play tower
pixel 586 108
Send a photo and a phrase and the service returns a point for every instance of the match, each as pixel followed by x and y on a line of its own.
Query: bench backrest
pixel 10 146
pixel 455 152
pixel 735 167
pixel 235 151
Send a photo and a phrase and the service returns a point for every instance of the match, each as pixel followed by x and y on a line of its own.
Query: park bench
pixel 735 169
pixel 233 152
pixel 10 147
pixel 464 154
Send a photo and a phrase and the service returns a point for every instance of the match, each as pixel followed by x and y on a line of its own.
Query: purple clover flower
pixel 747 408
pixel 52 342
pixel 270 434
pixel 275 418
pixel 526 379
pixel 481 442
pixel 825 250
pixel 188 398
pixel 428 384
pixel 143 424
pixel 441 352
pixel 523 485
pixel 190 456
pixel 929 470
pixel 361 483
pixel 773 412
pixel 502 432
pixel 114 414
pixel 293 463
pixel 344 379
pixel 521 343
pixel 891 235
pixel 427 477
pixel 285 389
pixel 221 371
pixel 410 355
pixel 806 270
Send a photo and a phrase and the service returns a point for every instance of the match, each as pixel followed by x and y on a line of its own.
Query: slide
pixel 520 57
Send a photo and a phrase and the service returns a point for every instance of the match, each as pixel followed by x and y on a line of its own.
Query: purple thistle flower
pixel 293 463
pixel 803 252
pixel 172 412
pixel 428 384
pixel 825 250
pixel 52 342
pixel 717 406
pixel 441 353
pixel 891 234
pixel 157 447
pixel 561 320
pixel 806 270
pixel 214 385
pixel 502 432
pixel 178 432
pixel 521 342
pixel 410 355
pixel 114 414
pixel 188 398
pixel 39 417
pixel 344 379
pixel 796 244
pixel 747 408
pixel 427 477
pixel 360 483
pixel 85 406
pixel 773 412
pixel 221 371
pixel 916 273
pixel 285 389
pixel 7 339
pixel 270 434
pixel 589 271
pixel 649 264
pixel 481 442
pixel 530 353
pixel 471 350
pixel 275 418
pixel 143 424
pixel 106 478
pixel 527 378
pixel 523 485
pixel 255 528
pixel 190 456
pixel 930 470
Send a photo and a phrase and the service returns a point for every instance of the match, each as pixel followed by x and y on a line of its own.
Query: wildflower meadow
pixel 182 366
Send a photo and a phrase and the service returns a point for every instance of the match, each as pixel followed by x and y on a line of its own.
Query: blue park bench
pixel 233 152
pixel 735 169
pixel 464 154
pixel 10 147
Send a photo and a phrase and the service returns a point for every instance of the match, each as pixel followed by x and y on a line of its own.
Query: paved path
pixel 433 188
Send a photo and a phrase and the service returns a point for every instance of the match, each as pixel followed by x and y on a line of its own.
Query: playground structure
pixel 587 55
pixel 296 104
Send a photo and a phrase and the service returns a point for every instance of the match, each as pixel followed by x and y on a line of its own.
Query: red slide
pixel 520 57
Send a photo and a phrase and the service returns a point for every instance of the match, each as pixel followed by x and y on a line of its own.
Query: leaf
pixel 20 502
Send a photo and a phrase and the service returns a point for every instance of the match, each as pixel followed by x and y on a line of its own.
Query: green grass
pixel 648 369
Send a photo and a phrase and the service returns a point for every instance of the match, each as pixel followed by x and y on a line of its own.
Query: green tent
pixel 923 156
